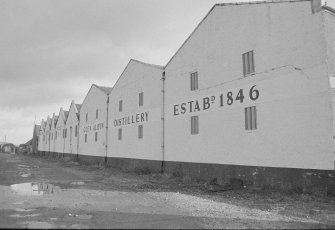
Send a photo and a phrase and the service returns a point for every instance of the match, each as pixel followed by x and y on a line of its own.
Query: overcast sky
pixel 52 51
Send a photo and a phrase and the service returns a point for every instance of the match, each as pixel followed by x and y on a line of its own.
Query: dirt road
pixel 47 193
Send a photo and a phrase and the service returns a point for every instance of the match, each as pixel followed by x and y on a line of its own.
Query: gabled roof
pixel 107 90
pixel 66 113
pixel 328 8
pixel 61 114
pixel 148 64
pixel 37 128
pixel 78 106
pixel 55 119
pixel 103 89
pixel 29 142
pixel 139 62
pixel 48 122
pixel 235 4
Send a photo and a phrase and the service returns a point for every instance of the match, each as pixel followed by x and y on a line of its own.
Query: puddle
pixel 25 175
pixel 33 189
pixel 24 216
pixel 78 183
pixel 22 166
pixel 38 224
pixel 24 210
pixel 84 217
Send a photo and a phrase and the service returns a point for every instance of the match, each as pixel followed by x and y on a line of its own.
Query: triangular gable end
pixel 48 124
pixel 133 64
pixel 97 87
pixel 61 118
pixel 313 2
pixel 73 110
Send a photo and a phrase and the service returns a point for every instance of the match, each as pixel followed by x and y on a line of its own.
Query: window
pixel 248 63
pixel 140 132
pixel 76 131
pixel 96 136
pixel 52 136
pixel 120 134
pixel 194 81
pixel 85 137
pixel 96 114
pixel 86 117
pixel 250 118
pixel 56 135
pixel 120 106
pixel 194 125
pixel 140 98
pixel 71 133
pixel 43 137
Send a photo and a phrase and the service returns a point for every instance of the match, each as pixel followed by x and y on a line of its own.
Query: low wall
pixel 287 179
pixel 320 182
pixel 137 165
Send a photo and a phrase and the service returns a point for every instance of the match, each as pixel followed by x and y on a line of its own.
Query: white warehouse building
pixel 249 95
pixel 135 118
pixel 93 125
pixel 71 140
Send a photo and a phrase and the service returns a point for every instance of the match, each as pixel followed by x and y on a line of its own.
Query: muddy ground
pixel 37 192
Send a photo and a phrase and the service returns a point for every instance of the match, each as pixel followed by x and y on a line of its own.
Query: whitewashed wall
pixel 72 122
pixel 137 77
pixel 53 133
pixel 329 25
pixel 47 135
pixel 293 109
pixel 95 99
pixel 41 143
pixel 59 142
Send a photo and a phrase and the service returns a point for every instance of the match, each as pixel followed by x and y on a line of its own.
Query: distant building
pixel 35 139
pixel 72 127
pixel 61 132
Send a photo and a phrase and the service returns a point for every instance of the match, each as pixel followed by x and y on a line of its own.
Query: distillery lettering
pixel 205 103
pixel 96 127
pixel 139 117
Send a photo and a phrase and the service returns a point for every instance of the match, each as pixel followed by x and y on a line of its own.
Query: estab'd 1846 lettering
pixel 206 103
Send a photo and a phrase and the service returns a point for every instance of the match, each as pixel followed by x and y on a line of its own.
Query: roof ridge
pixel 145 63
pixel 228 4
pixel 106 89
pixel 331 9
pixel 259 2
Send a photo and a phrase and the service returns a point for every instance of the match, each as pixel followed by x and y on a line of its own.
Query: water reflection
pixel 33 189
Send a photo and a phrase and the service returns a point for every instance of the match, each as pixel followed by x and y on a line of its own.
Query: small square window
pixel 194 125
pixel 194 81
pixel 140 132
pixel 250 118
pixel 248 63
